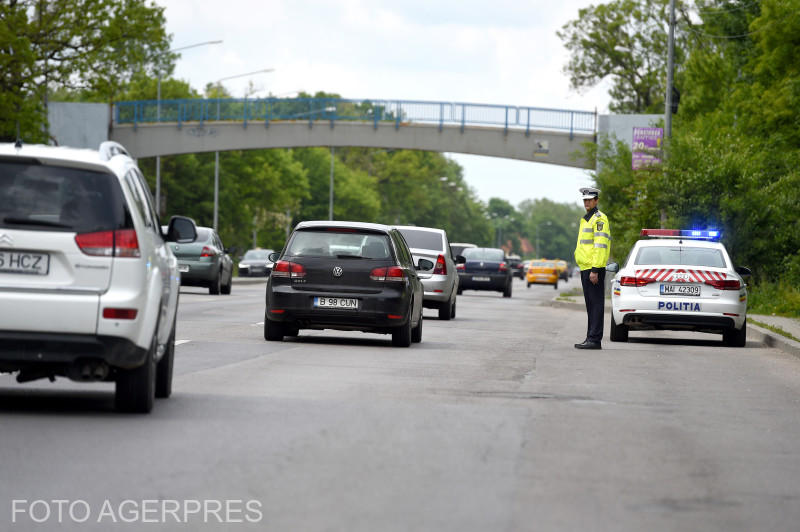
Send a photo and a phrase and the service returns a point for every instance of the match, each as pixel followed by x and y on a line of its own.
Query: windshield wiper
pixel 29 221
pixel 345 256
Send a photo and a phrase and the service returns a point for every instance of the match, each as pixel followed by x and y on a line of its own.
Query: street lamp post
pixel 158 118
pixel 547 223
pixel 670 68
pixel 216 153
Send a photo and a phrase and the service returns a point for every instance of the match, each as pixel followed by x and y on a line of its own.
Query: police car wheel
pixel 619 333
pixel 735 337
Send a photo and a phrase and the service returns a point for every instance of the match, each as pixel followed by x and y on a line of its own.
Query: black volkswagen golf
pixel 348 276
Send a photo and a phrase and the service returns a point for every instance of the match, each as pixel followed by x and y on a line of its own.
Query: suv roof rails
pixel 109 149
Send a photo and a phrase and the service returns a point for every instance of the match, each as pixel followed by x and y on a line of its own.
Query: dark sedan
pixel 255 263
pixel 345 276
pixel 485 269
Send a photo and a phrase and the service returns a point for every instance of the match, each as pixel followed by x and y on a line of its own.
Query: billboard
pixel 646 146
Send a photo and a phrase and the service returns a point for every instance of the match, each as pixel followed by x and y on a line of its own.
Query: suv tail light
pixel 636 281
pixel 724 284
pixel 441 266
pixel 208 252
pixel 285 268
pixel 503 267
pixel 119 243
pixel 390 273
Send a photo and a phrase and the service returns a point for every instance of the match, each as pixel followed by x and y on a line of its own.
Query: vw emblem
pixel 6 240
pixel 337 271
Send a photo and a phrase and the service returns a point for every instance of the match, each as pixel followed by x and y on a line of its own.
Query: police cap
pixel 590 192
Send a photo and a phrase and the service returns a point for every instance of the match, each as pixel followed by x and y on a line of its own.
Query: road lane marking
pixel 179 342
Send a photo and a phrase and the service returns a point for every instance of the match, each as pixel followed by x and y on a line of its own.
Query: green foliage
pixel 781 299
pixel 551 226
pixel 93 46
pixel 625 40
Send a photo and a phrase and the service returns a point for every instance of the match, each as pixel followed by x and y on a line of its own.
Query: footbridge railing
pixel 379 112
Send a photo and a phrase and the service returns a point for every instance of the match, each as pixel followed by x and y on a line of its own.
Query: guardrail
pixel 399 112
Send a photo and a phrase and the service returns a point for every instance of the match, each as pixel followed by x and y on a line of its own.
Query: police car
pixel 679 280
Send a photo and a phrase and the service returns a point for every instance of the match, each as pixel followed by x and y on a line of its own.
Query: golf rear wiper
pixel 346 256
pixel 29 221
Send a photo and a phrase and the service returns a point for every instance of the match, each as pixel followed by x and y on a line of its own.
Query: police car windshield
pixel 680 256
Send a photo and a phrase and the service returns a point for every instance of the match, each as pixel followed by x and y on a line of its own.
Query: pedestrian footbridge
pixel 168 127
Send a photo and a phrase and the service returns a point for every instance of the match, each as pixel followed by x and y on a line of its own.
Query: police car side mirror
pixel 424 265
pixel 273 257
pixel 612 267
pixel 460 259
pixel 744 271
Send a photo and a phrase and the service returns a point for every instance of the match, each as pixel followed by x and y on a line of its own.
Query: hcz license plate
pixel 24 262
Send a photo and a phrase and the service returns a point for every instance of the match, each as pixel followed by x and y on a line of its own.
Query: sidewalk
pixel 755 333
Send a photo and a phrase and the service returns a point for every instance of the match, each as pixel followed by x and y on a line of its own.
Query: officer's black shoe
pixel 588 345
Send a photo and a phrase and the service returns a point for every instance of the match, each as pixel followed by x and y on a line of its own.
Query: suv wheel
pixel 135 388
pixel 164 368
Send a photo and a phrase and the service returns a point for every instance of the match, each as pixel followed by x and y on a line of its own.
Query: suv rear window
pixel 416 238
pixel 53 198
pixel 680 256
pixel 339 244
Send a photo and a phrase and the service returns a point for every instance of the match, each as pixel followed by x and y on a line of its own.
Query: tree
pixel 626 40
pixel 95 46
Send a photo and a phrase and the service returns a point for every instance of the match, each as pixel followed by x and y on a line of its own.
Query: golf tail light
pixel 285 268
pixel 390 273
pixel 503 267
pixel 461 267
pixel 441 267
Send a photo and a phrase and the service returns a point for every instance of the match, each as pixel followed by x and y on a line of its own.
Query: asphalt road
pixel 493 423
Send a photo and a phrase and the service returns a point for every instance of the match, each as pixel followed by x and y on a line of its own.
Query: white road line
pixel 179 342
pixel 257 324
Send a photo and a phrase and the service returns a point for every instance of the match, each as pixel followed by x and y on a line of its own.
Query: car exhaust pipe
pixel 88 371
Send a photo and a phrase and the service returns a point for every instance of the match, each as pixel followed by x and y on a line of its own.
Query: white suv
pixel 88 285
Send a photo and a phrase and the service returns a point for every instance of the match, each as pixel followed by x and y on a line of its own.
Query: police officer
pixel 591 256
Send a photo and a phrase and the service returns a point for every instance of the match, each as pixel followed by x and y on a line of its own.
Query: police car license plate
pixel 24 262
pixel 680 290
pixel 336 303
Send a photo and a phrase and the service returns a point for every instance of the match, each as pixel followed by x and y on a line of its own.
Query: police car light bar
pixel 692 234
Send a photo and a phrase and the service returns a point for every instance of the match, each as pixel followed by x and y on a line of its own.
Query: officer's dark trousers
pixel 594 295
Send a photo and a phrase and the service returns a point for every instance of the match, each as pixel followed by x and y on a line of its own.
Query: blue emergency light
pixel 692 234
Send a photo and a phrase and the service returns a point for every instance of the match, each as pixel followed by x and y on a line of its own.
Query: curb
pixel 755 333
pixel 249 280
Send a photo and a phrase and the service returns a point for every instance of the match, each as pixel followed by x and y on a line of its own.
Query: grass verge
pixel 772 328
pixel 778 299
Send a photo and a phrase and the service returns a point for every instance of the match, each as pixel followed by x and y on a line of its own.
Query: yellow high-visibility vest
pixel 594 242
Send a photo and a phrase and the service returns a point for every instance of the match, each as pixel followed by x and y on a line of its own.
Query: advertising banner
pixel 646 148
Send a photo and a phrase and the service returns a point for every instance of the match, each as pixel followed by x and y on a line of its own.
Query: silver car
pixel 440 280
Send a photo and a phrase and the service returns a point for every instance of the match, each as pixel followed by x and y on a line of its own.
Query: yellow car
pixel 542 272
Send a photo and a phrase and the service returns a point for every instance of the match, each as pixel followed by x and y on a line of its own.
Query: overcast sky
pixel 501 52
